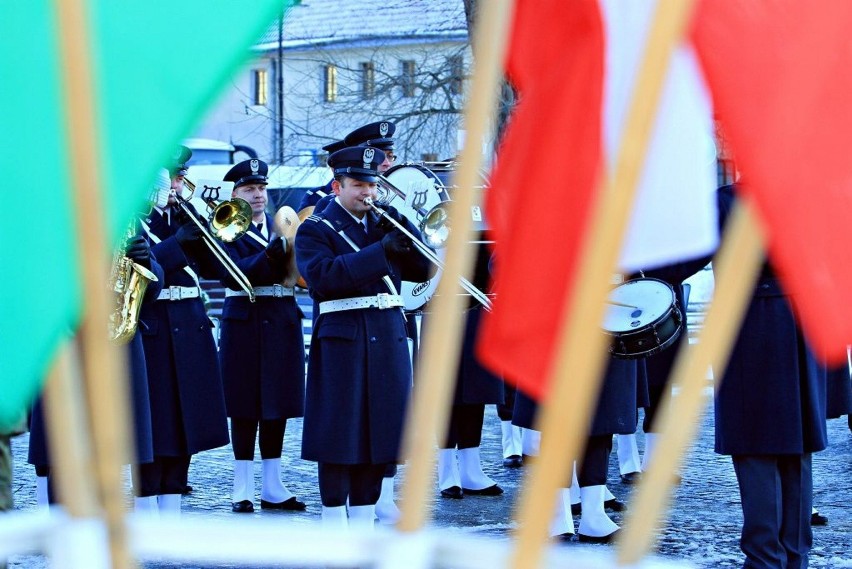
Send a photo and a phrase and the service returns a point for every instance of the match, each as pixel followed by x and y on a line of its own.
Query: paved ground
pixel 702 528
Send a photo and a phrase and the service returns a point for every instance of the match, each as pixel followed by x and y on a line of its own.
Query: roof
pixel 326 22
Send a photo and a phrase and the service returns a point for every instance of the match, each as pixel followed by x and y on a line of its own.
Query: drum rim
pixel 660 318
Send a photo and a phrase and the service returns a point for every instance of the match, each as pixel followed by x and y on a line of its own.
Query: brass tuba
pixel 128 281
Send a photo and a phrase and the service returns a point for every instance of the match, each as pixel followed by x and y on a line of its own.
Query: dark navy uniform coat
pixel 616 412
pixel 772 396
pixel 839 393
pixel 311 197
pixel 359 372
pixel 261 346
pixel 187 401
pixel 475 383
pixel 140 402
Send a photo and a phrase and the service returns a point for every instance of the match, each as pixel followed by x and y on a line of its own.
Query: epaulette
pixel 314 218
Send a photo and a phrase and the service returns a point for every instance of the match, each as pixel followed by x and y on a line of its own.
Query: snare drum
pixel 642 318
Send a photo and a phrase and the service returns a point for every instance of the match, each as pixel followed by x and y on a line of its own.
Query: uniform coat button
pixel 373 339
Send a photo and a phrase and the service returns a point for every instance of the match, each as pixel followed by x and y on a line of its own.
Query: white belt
pixel 380 301
pixel 277 290
pixel 178 293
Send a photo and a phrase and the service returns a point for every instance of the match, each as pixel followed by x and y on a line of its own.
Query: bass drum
pixel 422 190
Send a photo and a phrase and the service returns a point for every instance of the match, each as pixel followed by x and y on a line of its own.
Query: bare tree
pixel 420 89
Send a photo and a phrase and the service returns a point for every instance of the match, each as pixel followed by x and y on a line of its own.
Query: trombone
pixel 228 220
pixel 433 219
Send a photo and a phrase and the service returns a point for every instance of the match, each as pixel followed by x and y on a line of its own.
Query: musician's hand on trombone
pixel 396 244
pixel 189 233
pixel 277 250
pixel 183 214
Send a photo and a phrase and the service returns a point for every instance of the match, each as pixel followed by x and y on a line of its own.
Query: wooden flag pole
pixel 68 435
pixel 105 371
pixel 565 414
pixel 427 420
pixel 736 268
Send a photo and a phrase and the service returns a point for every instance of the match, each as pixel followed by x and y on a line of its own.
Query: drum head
pixel 423 190
pixel 637 304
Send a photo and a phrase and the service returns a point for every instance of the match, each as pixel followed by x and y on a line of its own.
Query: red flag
pixel 779 74
pixel 542 188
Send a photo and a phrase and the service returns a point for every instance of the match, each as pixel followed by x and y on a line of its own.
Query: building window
pixel 329 73
pixel 407 79
pixel 456 68
pixel 261 96
pixel 368 80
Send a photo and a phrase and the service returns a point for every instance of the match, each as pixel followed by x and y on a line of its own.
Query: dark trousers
pixel 777 495
pixel 166 475
pixel 360 483
pixel 465 430
pixel 505 409
pixel 593 467
pixel 244 432
pixel 658 395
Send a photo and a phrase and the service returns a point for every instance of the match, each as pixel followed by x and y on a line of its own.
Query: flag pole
pixel 437 366
pixel 83 541
pixel 736 268
pixel 105 370
pixel 68 435
pixel 565 415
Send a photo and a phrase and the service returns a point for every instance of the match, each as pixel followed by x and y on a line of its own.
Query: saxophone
pixel 128 281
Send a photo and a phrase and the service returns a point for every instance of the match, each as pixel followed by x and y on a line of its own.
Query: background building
pixel 333 65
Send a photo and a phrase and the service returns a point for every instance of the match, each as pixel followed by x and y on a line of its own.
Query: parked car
pixel 209 151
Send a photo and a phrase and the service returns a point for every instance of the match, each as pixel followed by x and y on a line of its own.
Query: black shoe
pixel 186 490
pixel 602 539
pixel 291 504
pixel 615 505
pixel 514 461
pixel 453 492
pixel 564 537
pixel 242 507
pixel 490 491
pixel 576 509
pixel 818 519
pixel 630 478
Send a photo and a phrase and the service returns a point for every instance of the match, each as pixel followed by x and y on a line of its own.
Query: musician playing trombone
pixel 187 401
pixel 261 349
pixel 359 369
pixel 376 135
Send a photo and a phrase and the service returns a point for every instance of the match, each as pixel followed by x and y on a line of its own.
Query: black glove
pixel 396 244
pixel 188 233
pixel 277 249
pixel 182 217
pixel 139 251
pixel 385 225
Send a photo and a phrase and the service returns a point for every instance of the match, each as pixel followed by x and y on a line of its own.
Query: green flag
pixel 158 66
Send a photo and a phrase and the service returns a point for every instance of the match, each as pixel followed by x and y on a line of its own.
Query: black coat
pixel 359 371
pixel 261 346
pixel 475 383
pixel 187 400
pixel 616 411
pixel 772 397
pixel 839 391
pixel 38 454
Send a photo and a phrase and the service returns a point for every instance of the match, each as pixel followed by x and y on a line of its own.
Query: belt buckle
pixel 278 290
pixel 174 293
pixel 383 299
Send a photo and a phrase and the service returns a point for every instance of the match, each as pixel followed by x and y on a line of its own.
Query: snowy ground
pixel 702 528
